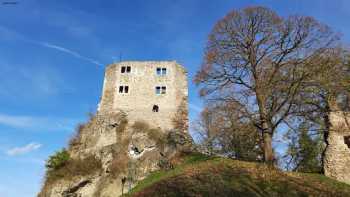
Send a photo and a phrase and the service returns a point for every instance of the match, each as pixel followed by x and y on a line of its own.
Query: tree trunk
pixel 266 131
pixel 268 151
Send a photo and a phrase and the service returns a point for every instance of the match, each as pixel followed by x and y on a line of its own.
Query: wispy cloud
pixel 68 51
pixel 38 123
pixel 23 149
pixel 17 121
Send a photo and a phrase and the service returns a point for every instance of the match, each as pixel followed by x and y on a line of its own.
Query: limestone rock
pixel 127 156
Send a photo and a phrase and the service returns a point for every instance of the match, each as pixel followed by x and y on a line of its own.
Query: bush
pixel 75 139
pixel 59 159
pixel 140 126
pixel 74 167
pixel 158 136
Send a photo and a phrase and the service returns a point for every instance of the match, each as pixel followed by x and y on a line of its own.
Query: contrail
pixel 68 51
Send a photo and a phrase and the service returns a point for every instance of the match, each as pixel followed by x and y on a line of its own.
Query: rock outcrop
pixel 127 153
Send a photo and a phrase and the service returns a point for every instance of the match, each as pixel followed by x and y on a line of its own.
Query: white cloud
pixel 23 149
pixel 70 52
pixel 17 121
pixel 38 123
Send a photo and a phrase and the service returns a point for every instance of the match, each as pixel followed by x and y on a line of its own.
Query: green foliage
pixel 59 159
pixel 304 150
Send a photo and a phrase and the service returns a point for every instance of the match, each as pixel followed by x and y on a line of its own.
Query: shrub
pixel 76 137
pixel 74 167
pixel 119 164
pixel 59 159
pixel 158 136
pixel 140 126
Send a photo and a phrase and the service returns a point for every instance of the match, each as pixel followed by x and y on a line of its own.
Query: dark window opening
pixel 160 89
pixel 123 89
pixel 123 69
pixel 161 71
pixel 347 140
pixel 155 108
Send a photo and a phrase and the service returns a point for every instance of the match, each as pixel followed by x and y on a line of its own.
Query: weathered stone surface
pixel 128 155
pixel 141 97
pixel 135 152
pixel 337 156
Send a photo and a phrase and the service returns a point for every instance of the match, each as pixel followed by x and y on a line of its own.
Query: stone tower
pixel 149 91
pixel 337 156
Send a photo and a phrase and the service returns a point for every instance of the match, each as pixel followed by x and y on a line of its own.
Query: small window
pixel 123 89
pixel 161 71
pixel 158 90
pixel 125 69
pixel 161 90
pixel 155 108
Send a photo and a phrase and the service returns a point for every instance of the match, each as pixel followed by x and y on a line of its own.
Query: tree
pixel 328 91
pixel 258 60
pixel 224 131
pixel 305 148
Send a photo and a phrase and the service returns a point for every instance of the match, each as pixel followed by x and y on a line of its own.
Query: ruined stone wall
pixel 337 157
pixel 139 101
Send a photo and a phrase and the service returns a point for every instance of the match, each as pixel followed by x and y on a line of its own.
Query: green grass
pixel 199 175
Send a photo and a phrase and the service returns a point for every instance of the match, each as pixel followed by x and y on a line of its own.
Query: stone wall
pixel 141 98
pixel 337 157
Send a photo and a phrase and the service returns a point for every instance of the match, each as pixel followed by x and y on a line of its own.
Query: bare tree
pixel 257 59
pixel 328 91
pixel 224 131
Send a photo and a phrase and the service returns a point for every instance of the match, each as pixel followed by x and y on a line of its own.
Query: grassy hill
pixel 198 175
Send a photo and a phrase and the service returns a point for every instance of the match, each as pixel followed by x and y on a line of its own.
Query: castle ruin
pixel 337 155
pixel 140 124
pixel 149 91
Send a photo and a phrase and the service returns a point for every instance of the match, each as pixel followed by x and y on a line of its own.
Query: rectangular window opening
pixel 128 69
pixel 158 90
pixel 159 71
pixel 123 69
pixel 163 89
pixel 123 89
pixel 163 71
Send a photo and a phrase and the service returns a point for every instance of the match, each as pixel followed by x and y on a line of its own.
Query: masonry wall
pixel 337 157
pixel 141 98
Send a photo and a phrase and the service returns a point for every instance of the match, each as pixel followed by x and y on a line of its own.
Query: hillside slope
pixel 203 176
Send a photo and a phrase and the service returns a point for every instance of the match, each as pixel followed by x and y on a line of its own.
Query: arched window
pixel 155 108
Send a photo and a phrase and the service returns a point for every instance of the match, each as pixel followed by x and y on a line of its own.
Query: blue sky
pixel 53 54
